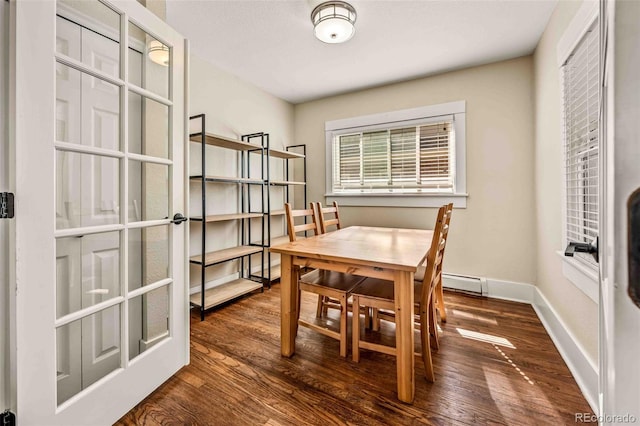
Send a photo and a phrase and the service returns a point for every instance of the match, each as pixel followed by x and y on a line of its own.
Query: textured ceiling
pixel 270 43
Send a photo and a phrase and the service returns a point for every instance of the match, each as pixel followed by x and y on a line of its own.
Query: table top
pixel 395 248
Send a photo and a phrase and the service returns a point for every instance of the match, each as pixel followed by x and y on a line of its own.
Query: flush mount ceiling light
pixel 334 21
pixel 158 53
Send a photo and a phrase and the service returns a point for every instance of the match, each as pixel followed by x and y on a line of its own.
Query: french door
pixel 99 130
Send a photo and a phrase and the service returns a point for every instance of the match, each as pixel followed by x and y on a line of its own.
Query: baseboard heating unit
pixel 473 285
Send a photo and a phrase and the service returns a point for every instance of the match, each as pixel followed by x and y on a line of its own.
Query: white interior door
pixel 101 300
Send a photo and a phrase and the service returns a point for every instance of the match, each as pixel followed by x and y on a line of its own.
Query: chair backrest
pixel 448 212
pixel 292 228
pixel 434 257
pixel 324 223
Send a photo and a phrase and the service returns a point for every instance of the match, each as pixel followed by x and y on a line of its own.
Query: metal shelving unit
pixel 206 299
pixel 251 145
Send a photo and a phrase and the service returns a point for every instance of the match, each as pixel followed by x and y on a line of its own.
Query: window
pixel 581 82
pixel 578 60
pixel 407 158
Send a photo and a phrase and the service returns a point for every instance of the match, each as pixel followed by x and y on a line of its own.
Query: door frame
pixel 34 187
pixel 5 231
pixel 619 317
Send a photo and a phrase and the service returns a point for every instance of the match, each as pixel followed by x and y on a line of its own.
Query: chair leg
pixel 367 317
pixel 325 305
pixel 425 346
pixel 355 329
pixel 440 298
pixel 433 324
pixel 375 320
pixel 298 302
pixel 344 317
pixel 320 306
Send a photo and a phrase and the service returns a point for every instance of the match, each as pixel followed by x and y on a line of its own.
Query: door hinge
pixel 6 205
pixel 7 418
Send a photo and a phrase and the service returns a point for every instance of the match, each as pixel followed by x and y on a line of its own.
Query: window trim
pixel 581 274
pixel 408 117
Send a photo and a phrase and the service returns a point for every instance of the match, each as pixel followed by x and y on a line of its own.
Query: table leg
pixel 288 306
pixel 403 283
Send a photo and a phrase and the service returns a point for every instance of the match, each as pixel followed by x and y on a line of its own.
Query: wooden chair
pixel 419 276
pixel 379 294
pixel 329 284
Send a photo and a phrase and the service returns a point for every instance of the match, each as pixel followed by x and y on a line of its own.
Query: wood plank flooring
pixel 496 365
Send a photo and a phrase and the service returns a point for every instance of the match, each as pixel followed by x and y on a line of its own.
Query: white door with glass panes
pixel 101 301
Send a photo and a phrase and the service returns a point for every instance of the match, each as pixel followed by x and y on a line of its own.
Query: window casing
pixel 403 158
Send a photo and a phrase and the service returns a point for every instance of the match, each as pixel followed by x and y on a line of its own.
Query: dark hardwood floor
pixel 496 365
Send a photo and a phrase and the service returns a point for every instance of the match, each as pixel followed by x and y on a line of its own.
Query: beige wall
pixel 494 236
pixel 578 311
pixel 232 108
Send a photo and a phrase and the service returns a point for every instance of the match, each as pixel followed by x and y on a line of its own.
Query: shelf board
pixel 276 241
pixel 224 217
pixel 224 255
pixel 286 182
pixel 224 142
pixel 281 239
pixel 279 153
pixel 227 179
pixel 225 292
pixel 275 272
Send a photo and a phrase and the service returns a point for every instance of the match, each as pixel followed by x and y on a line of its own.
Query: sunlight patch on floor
pixel 467 315
pixel 513 364
pixel 483 337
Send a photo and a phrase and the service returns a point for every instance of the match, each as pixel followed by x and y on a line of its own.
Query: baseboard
pixel 584 371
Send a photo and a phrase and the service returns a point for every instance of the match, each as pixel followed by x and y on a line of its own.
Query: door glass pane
pixel 148 256
pixel 151 68
pixel 148 126
pixel 87 350
pixel 89 32
pixel 87 271
pixel 148 191
pixel 148 320
pixel 87 109
pixel 87 190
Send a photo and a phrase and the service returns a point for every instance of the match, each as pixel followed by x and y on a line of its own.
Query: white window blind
pixel 581 94
pixel 408 159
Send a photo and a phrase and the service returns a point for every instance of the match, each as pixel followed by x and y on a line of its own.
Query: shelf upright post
pixel 204 213
pixel 242 221
pixel 263 188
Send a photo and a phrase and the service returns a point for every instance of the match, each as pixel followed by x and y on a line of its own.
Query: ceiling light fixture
pixel 333 21
pixel 158 53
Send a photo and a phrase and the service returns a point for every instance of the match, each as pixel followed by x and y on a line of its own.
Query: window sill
pixel 398 200
pixel 583 277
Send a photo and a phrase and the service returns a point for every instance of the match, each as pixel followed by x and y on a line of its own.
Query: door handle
pixel 591 248
pixel 633 246
pixel 178 219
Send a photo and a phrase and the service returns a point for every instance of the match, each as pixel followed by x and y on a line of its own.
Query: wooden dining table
pixel 388 253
